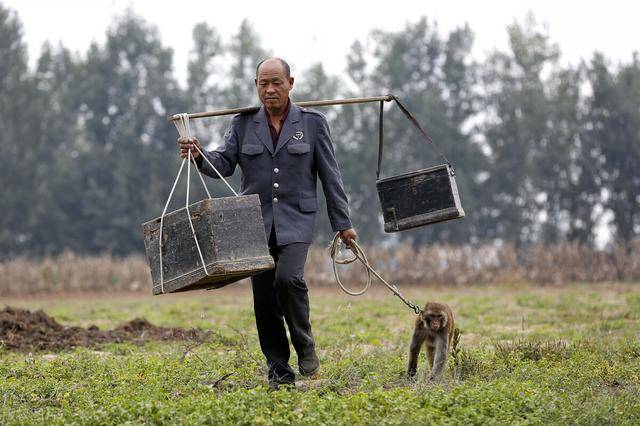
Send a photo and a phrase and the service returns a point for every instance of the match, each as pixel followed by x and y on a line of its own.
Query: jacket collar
pixel 290 126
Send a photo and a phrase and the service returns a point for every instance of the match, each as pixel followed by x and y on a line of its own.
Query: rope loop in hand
pixel 358 254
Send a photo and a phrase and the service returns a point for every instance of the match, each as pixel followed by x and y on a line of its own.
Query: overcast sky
pixel 306 32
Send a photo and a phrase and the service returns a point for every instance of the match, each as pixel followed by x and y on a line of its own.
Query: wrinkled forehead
pixel 271 69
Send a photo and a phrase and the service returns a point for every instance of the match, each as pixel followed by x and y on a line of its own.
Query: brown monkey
pixel 434 327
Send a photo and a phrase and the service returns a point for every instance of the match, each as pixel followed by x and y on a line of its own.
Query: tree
pixel 204 90
pixel 542 151
pixel 568 189
pixel 612 141
pixel 127 168
pixel 19 139
pixel 245 52
pixel 57 175
pixel 543 179
pixel 434 77
pixel 355 132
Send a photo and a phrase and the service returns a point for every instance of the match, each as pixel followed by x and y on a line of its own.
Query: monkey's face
pixel 434 322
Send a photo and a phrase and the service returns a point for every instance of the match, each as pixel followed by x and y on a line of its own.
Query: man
pixel 281 150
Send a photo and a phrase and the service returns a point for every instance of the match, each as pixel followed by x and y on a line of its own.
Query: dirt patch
pixel 22 330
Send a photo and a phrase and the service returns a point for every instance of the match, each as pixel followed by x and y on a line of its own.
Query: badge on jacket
pixel 298 135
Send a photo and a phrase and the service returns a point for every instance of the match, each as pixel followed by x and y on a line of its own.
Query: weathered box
pixel 419 198
pixel 231 236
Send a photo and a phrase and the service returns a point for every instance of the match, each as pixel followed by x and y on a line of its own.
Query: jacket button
pixel 276 170
pixel 275 199
pixel 275 185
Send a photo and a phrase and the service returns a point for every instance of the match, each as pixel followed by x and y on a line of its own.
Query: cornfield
pixel 402 265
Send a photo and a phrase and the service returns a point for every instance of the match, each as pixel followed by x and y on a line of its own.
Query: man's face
pixel 273 85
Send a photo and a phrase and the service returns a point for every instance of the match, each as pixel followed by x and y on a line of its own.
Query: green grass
pixel 529 355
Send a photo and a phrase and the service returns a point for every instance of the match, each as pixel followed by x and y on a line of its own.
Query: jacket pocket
pixel 308 205
pixel 252 149
pixel 298 148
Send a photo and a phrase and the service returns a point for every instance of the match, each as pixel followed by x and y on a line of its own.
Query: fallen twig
pixel 221 379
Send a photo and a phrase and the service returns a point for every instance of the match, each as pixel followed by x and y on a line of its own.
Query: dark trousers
pixel 280 295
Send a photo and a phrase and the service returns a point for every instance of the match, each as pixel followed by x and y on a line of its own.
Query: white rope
pixel 162 223
pixel 216 170
pixel 184 130
pixel 358 254
pixel 193 231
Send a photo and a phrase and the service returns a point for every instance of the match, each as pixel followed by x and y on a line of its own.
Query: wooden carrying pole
pixel 387 98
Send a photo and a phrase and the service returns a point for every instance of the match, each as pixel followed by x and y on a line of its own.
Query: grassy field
pixel 529 355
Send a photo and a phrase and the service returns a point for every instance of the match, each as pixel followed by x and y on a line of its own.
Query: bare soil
pixel 24 330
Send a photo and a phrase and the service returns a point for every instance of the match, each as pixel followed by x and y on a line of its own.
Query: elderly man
pixel 281 150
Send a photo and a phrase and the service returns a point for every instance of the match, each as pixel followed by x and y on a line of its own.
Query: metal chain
pixel 358 254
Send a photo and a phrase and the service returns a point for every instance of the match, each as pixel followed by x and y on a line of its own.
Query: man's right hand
pixel 186 144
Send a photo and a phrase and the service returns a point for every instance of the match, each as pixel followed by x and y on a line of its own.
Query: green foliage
pixel 434 77
pixel 520 131
pixel 129 91
pixel 566 374
pixel 246 52
pixel 611 140
pixel 18 94
pixel 530 349
pixel 544 152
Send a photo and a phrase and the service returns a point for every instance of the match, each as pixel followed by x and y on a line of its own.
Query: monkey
pixel 434 327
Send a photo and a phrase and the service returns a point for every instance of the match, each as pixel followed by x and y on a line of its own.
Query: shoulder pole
pixel 387 98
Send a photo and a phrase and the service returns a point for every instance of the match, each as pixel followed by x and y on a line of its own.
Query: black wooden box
pixel 419 198
pixel 231 237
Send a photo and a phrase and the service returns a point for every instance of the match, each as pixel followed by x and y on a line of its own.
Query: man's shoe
pixel 309 366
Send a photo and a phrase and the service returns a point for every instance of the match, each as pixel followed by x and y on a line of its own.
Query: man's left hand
pixel 347 235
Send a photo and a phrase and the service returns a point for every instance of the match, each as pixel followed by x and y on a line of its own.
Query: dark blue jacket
pixel 285 178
